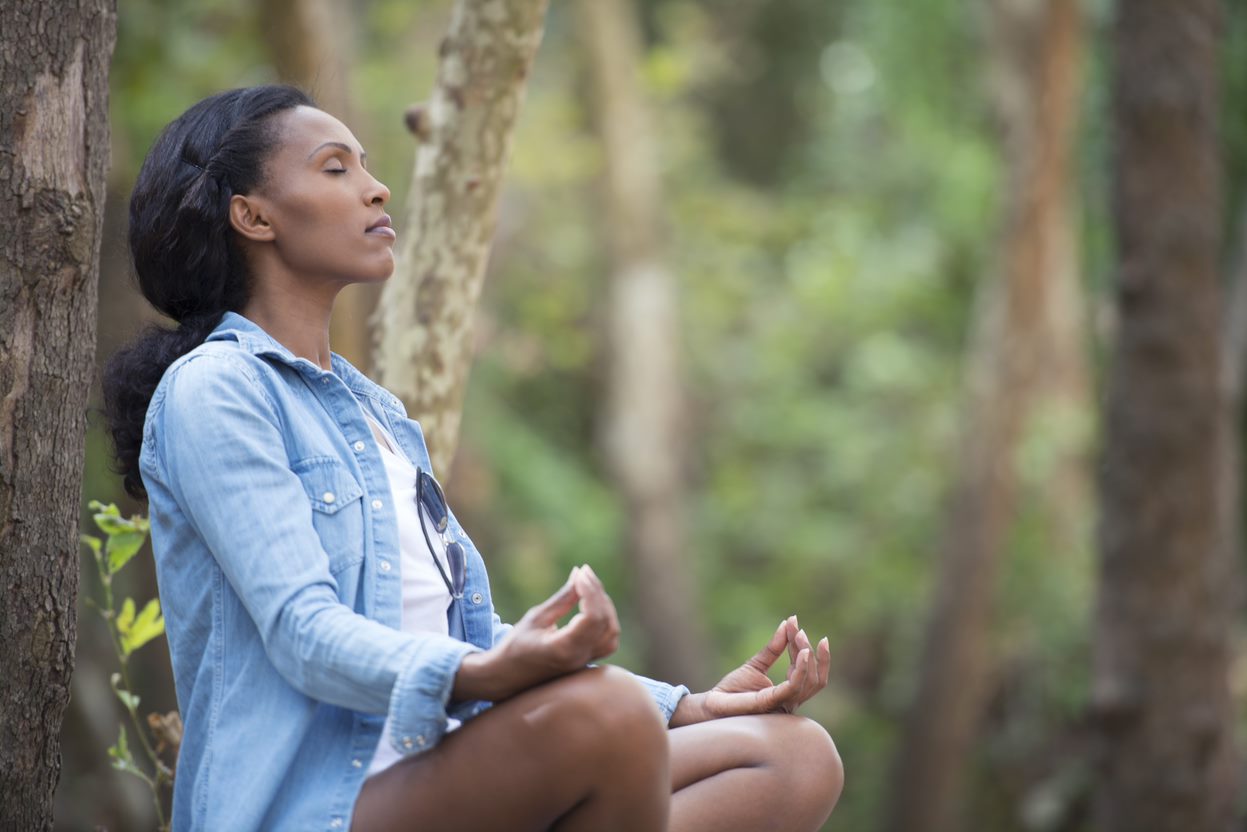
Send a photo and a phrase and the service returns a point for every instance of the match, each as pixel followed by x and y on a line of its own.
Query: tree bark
pixel 424 350
pixel 641 429
pixel 53 157
pixel 1163 629
pixel 311 44
pixel 1027 355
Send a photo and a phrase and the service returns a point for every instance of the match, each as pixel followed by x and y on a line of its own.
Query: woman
pixel 337 659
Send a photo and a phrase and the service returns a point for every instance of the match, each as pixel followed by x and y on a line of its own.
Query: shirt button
pixel 336 823
pixel 328 497
pixel 406 742
pixel 477 598
pixel 376 504
pixel 385 566
pixel 420 740
pixel 359 446
pixel 357 763
pixel 325 380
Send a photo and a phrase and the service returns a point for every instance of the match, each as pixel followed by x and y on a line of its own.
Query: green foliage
pixel 123 537
pixel 832 193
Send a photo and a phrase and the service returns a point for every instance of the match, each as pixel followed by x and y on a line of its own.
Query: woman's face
pixel 324 213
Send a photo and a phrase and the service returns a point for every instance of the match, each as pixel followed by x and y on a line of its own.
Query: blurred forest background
pixel 834 199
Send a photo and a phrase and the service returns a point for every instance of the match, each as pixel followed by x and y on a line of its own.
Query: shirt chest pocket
pixel 337 509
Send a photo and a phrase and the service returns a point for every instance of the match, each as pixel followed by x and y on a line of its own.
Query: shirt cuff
pixel 421 693
pixel 666 696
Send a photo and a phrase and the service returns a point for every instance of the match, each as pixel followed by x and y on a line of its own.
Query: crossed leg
pixel 586 752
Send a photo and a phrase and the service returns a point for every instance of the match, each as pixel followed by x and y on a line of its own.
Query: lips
pixel 383 227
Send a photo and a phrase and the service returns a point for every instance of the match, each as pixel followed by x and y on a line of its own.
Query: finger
pixel 824 663
pixel 800 680
pixel 785 695
pixel 792 629
pixel 772 651
pixel 808 688
pixel 557 605
pixel 593 598
pixel 584 639
pixel 598 603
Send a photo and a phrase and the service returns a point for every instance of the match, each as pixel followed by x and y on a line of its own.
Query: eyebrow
pixel 340 146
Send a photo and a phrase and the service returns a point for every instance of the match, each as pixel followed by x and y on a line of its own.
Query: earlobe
pixel 248 219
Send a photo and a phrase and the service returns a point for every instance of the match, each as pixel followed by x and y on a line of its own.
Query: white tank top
pixel 425 597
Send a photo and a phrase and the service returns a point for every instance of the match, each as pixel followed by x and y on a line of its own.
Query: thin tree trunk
pixel 641 428
pixel 53 157
pixel 424 348
pixel 1010 379
pixel 1163 630
pixel 311 43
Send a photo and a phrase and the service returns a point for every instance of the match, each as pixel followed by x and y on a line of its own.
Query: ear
pixel 248 217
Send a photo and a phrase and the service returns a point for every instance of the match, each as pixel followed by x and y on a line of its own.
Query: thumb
pixel 557 605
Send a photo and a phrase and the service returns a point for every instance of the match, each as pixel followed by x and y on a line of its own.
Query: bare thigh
pixel 531 763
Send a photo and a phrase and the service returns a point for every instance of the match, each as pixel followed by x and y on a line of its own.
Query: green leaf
pixel 122 547
pixel 109 519
pixel 126 617
pixel 130 700
pixel 93 543
pixel 120 751
pixel 123 760
pixel 149 625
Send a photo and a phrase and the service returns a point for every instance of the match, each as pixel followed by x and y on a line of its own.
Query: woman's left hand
pixel 748 690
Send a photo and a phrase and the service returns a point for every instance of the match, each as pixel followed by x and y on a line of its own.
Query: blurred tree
pixel 1027 356
pixel 424 350
pixel 642 424
pixel 1164 620
pixel 759 98
pixel 311 43
pixel 54 134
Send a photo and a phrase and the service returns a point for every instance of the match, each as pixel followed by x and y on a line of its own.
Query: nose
pixel 377 193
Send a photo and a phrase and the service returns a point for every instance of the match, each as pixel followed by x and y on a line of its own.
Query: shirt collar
pixel 251 337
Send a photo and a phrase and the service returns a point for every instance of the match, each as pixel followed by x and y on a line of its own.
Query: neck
pixel 297 320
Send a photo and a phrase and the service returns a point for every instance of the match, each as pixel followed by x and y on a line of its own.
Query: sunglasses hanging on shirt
pixel 432 501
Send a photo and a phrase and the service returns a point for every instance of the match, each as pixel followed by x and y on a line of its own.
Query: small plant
pixel 131 628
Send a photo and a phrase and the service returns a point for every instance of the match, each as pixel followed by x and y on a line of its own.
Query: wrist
pixel 689 710
pixel 477 678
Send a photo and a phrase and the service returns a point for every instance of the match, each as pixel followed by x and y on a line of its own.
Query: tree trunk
pixel 311 45
pixel 641 428
pixel 53 158
pixel 1163 630
pixel 425 347
pixel 1026 356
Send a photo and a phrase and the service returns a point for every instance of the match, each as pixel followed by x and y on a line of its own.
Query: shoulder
pixel 213 383
pixel 215 367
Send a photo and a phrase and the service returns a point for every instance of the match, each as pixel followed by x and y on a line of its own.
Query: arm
pixel 224 459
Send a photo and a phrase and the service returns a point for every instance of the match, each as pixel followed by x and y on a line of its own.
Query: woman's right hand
pixel 537 649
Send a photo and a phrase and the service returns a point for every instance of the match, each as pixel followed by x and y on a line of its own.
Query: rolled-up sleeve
pixel 222 455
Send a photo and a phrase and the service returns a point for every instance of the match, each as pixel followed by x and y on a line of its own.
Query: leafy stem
pixel 128 630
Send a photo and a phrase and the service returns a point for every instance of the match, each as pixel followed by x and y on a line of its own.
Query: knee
pixel 613 708
pixel 812 764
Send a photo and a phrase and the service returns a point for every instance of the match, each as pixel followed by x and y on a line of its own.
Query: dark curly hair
pixel 186 256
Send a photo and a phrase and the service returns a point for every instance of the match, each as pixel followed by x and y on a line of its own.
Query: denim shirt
pixel 277 556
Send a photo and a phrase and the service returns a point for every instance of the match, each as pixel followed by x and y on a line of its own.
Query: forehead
pixel 303 129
